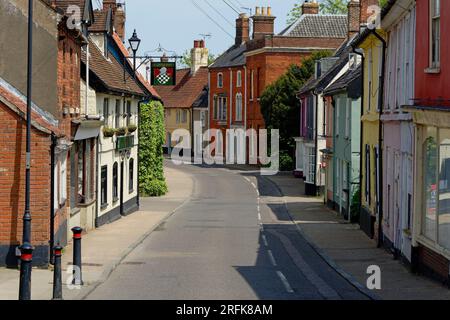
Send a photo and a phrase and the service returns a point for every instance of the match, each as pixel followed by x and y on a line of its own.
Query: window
pixel 85 167
pixel 376 156
pixel 128 113
pixel 182 116
pixel 430 192
pixel 220 108
pixel 252 91
pixel 62 179
pixel 370 78
pixel 220 80
pixel 310 164
pixel 347 117
pixel 435 36
pixel 338 115
pixel 106 111
pixel 239 79
pixel 115 181
pixel 215 108
pixel 367 176
pixel 239 107
pixel 131 176
pixel 104 186
pixel 117 115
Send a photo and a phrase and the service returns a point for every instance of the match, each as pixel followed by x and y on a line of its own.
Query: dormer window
pixel 220 80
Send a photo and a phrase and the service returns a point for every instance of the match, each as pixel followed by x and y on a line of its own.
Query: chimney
pixel 242 29
pixel 119 19
pixel 263 23
pixel 310 7
pixel 365 13
pixel 354 14
pixel 199 56
pixel 110 4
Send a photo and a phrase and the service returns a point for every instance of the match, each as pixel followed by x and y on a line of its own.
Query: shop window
pixel 430 183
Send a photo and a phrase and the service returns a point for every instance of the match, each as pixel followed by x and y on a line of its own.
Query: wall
pixel 171 121
pixel 13 48
pixel 12 188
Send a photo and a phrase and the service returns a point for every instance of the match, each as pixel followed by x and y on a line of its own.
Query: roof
pixel 202 99
pixel 346 80
pixel 318 26
pixel 233 57
pixel 102 21
pixel 16 101
pixel 187 90
pixel 110 72
pixel 125 53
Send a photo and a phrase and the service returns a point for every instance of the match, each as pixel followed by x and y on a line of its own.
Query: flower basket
pixel 121 131
pixel 108 132
pixel 132 128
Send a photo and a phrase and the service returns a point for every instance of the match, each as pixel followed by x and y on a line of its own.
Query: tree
pixel 186 60
pixel 280 106
pixel 334 6
pixel 152 135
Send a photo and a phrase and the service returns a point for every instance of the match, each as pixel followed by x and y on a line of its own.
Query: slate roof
pixel 187 89
pixel 202 99
pixel 344 81
pixel 16 101
pixel 317 26
pixel 233 57
pixel 109 72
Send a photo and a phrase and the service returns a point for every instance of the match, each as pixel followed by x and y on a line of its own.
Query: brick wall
pixel 433 264
pixel 12 184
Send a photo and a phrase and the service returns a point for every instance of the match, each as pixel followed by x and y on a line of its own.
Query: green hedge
pixel 152 136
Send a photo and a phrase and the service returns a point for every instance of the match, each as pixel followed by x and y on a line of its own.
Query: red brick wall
pixel 434 262
pixel 12 180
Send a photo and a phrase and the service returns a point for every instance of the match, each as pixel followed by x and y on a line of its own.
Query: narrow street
pixel 232 240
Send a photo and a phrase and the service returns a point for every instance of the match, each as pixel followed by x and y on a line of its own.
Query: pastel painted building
pixel 399 22
pixel 346 95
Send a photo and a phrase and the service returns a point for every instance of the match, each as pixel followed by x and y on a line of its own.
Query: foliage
pixel 152 135
pixel 286 162
pixel 279 103
pixel 121 131
pixel 186 60
pixel 109 132
pixel 132 128
pixel 355 205
pixel 294 14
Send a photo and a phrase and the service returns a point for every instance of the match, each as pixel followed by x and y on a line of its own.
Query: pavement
pixel 349 248
pixel 104 249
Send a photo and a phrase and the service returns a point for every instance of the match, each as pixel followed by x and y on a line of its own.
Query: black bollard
pixel 57 276
pixel 26 258
pixel 77 277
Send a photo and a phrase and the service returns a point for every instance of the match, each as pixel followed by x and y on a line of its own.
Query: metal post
pixel 77 275
pixel 57 277
pixel 26 259
pixel 26 248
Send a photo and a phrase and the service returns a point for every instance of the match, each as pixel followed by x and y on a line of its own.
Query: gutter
pixel 380 140
pixel 361 129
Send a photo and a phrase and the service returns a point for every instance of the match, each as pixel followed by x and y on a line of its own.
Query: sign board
pixel 164 73
pixel 125 143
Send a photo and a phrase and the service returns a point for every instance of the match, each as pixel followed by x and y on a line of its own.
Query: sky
pixel 175 24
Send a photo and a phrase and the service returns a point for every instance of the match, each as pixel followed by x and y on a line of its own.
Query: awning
pixel 87 130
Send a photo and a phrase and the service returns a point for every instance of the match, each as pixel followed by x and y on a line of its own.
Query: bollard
pixel 57 276
pixel 77 276
pixel 26 258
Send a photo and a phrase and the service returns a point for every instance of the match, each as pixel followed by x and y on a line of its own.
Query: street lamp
pixel 26 248
pixel 134 42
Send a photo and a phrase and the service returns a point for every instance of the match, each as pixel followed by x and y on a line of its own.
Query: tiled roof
pixel 233 57
pixel 187 89
pixel 125 53
pixel 318 26
pixel 110 72
pixel 344 81
pixel 202 99
pixel 15 100
pixel 101 21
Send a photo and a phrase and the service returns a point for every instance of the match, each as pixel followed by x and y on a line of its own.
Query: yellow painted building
pixel 176 118
pixel 370 126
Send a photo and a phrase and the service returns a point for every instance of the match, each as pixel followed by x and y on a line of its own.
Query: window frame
pixel 104 186
pixel 238 106
pixel 131 175
pixel 220 80
pixel 115 178
pixel 106 111
pixel 239 78
pixel 435 64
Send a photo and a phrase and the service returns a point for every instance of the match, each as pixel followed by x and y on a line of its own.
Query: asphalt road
pixel 232 240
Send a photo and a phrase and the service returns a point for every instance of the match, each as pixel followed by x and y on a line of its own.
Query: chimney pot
pixel 310 7
pixel 269 11
pixel 257 11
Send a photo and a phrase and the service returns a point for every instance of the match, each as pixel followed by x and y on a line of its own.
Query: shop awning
pixel 87 130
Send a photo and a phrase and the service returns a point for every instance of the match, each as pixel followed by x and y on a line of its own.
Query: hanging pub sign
pixel 164 73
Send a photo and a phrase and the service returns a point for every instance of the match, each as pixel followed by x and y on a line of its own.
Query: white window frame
pixel 435 17
pixel 63 179
pixel 238 116
pixel 239 79
pixel 348 107
pixel 220 80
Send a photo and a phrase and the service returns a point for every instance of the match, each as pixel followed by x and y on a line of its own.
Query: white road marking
pixel 265 240
pixel 272 258
pixel 285 282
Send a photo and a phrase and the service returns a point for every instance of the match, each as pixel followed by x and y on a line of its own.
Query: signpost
pixel 163 73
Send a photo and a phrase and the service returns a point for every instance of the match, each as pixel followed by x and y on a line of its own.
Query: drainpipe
pixel 97 167
pixel 380 140
pixel 361 129
pixel 52 197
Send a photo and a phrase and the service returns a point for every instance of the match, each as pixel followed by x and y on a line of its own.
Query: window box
pixel 108 132
pixel 132 128
pixel 121 131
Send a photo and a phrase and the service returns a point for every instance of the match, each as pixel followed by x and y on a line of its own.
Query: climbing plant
pixel 152 182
